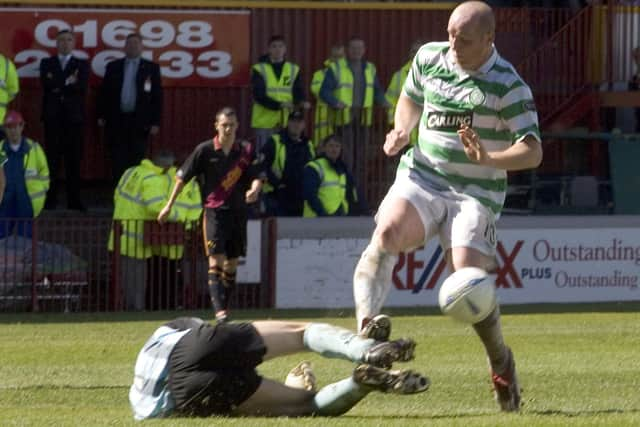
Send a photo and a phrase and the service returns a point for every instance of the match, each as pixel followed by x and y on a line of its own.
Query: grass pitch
pixel 578 366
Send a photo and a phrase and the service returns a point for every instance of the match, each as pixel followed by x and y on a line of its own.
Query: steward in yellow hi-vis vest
pixel 9 84
pixel 140 195
pixel 329 189
pixel 324 117
pixel 351 86
pixel 284 156
pixel 276 88
pixel 395 89
pixel 27 178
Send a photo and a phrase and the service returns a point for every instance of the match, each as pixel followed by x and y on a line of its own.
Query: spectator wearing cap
pixel 9 87
pixel 329 188
pixel 284 156
pixel 27 175
pixel 64 80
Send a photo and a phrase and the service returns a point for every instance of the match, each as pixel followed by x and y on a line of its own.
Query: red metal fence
pixel 63 264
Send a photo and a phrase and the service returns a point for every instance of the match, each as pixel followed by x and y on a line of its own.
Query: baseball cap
pixel 13 118
pixel 296 115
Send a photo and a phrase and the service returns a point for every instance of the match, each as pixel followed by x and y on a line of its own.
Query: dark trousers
pixel 355 139
pixel 164 284
pixel 128 144
pixel 16 213
pixel 63 142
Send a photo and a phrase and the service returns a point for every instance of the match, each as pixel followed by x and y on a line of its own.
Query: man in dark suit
pixel 64 81
pixel 130 105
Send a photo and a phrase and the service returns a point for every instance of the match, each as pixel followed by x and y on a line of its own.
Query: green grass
pixel 580 367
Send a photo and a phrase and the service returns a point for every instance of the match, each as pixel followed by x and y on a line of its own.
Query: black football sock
pixel 215 288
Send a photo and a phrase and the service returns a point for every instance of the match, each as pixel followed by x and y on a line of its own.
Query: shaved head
pixel 471 29
pixel 475 13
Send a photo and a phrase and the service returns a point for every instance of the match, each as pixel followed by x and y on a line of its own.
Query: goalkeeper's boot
pixel 385 353
pixel 302 377
pixel 399 382
pixel 505 386
pixel 377 328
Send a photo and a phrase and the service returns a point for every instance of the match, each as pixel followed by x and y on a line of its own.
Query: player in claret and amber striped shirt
pixel 477 120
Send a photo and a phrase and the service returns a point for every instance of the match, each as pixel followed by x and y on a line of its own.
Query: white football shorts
pixel 458 219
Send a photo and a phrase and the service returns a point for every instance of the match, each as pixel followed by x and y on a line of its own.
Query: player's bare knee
pixel 388 238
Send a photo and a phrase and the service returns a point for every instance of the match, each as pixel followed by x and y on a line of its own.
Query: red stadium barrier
pixel 65 266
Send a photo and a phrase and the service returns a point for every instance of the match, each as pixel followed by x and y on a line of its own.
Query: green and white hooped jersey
pixel 494 101
pixel 3 158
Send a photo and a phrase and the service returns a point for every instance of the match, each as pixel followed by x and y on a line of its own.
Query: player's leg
pixel 235 247
pixel 213 233
pixel 282 338
pixel 275 399
pixel 471 231
pixel 401 225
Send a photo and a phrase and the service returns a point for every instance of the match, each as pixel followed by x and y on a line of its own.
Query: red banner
pixel 193 47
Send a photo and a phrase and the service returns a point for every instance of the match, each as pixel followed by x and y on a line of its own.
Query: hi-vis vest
pixel 141 193
pixel 279 89
pixel 344 91
pixel 189 208
pixel 9 84
pixel 393 94
pixel 333 189
pixel 36 174
pixel 280 158
pixel 324 117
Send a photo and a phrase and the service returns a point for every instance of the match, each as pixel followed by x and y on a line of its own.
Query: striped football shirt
pixel 494 101
pixel 149 395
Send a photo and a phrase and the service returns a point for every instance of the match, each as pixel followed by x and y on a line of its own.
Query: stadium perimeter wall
pixel 541 260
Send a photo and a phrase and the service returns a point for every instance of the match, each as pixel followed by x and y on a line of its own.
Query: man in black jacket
pixel 64 80
pixel 130 105
pixel 285 155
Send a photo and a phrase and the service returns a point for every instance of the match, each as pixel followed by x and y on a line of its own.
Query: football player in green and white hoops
pixel 477 120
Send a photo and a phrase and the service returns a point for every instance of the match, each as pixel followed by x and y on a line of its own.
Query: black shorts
pixel 225 232
pixel 212 368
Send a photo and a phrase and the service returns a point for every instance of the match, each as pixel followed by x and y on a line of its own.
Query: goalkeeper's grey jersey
pixel 494 101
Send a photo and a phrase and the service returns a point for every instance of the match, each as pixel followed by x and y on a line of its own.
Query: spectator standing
pixel 9 87
pixel 64 80
pixel 285 155
pixel 142 192
pixel 277 89
pixel 395 89
pixel 324 117
pixel 130 105
pixel 229 177
pixel 329 189
pixel 351 87
pixel 27 175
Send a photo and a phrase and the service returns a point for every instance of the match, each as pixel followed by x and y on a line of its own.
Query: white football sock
pixel 372 282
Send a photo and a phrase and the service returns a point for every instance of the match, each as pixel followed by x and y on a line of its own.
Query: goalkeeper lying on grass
pixel 192 368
